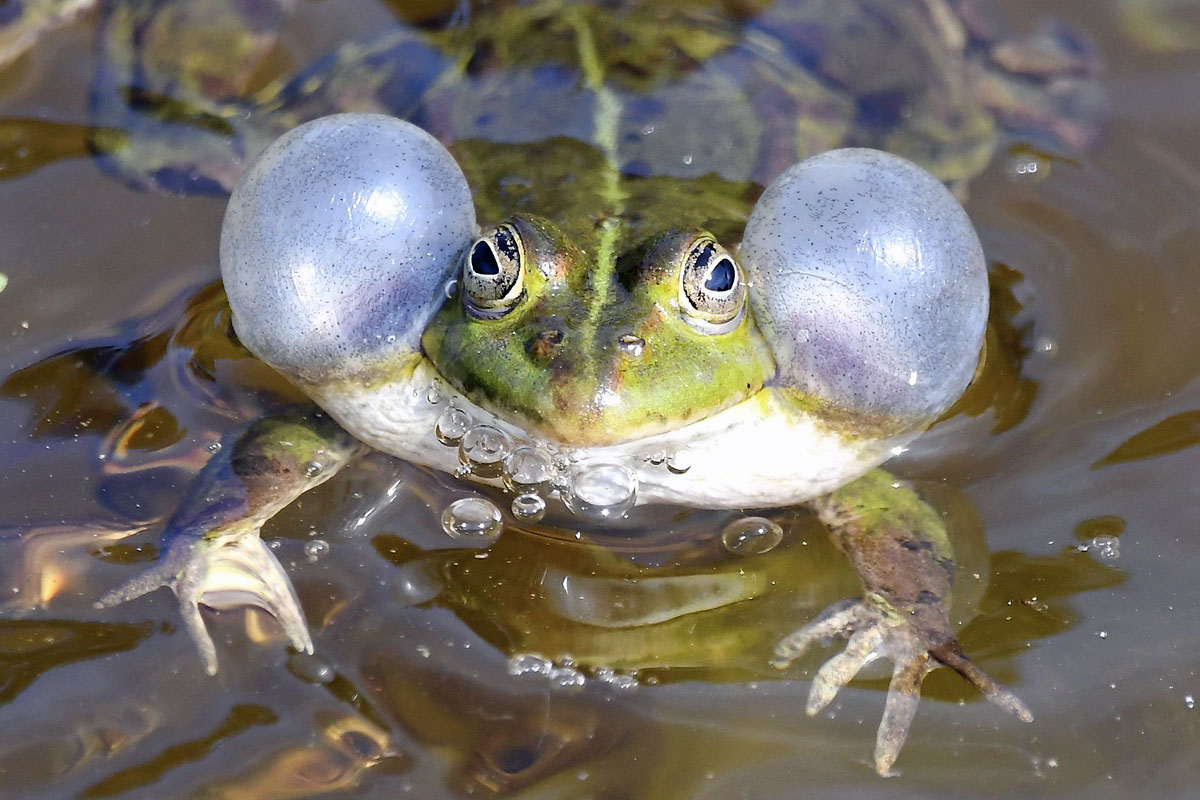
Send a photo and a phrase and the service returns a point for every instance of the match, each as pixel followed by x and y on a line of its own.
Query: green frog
pixel 552 266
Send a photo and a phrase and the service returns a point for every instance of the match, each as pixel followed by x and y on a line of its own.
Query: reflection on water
pixel 1080 434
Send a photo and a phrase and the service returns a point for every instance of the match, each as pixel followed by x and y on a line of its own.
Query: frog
pixel 616 282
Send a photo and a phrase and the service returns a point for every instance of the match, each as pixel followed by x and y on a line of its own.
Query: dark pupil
pixel 722 276
pixel 483 260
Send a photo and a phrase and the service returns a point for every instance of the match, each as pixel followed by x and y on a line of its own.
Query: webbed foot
pixel 873 630
pixel 237 572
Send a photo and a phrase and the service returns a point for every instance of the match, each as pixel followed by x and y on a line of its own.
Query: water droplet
pixel 312 469
pixel 434 395
pixel 1106 548
pixel 452 425
pixel 451 288
pixel 1189 701
pixel 391 338
pixel 602 490
pixel 315 549
pixel 214 447
pixel 751 536
pixel 631 345
pixel 1046 346
pixel 310 668
pixel 483 450
pixel 687 160
pixel 528 469
pixel 528 507
pixel 472 519
pixel 1026 166
pixel 657 457
pixel 680 462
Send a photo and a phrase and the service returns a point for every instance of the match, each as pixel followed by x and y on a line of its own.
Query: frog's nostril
pixel 545 343
pixel 631 345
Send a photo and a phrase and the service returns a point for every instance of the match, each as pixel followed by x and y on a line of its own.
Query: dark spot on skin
pixel 916 547
pixel 928 598
pixel 253 464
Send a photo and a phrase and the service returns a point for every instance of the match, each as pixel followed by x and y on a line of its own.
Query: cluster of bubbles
pixel 1104 547
pixel 567 675
pixel 532 471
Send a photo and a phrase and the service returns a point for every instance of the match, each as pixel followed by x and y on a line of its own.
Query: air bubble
pixel 214 447
pixel 312 469
pixel 528 469
pixel 528 507
pixel 452 425
pixel 451 288
pixel 1106 548
pixel 484 449
pixel 751 536
pixel 657 458
pixel 602 491
pixel 680 462
pixel 316 549
pixel 472 519
pixel 434 395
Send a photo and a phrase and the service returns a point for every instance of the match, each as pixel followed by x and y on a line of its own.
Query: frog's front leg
pixel 211 550
pixel 904 559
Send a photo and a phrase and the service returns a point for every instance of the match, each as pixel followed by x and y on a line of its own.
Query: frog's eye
pixel 494 273
pixel 712 292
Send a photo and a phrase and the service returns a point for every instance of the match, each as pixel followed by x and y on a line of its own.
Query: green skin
pixel 556 379
pixel 604 226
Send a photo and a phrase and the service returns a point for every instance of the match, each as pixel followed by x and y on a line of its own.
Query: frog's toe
pixel 246 573
pixel 904 694
pixel 839 620
pixel 862 648
pixel 951 655
pixel 872 632
pixel 236 573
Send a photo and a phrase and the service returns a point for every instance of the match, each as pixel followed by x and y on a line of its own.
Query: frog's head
pixel 857 295
pixel 543 335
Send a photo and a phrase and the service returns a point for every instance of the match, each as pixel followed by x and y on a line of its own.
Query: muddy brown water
pixel 1091 431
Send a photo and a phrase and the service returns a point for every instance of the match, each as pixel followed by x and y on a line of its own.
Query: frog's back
pixel 551 102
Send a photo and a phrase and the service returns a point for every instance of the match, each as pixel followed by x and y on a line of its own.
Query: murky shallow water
pixel 1100 257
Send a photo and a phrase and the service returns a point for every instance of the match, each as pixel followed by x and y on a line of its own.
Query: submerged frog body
pixel 594 271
